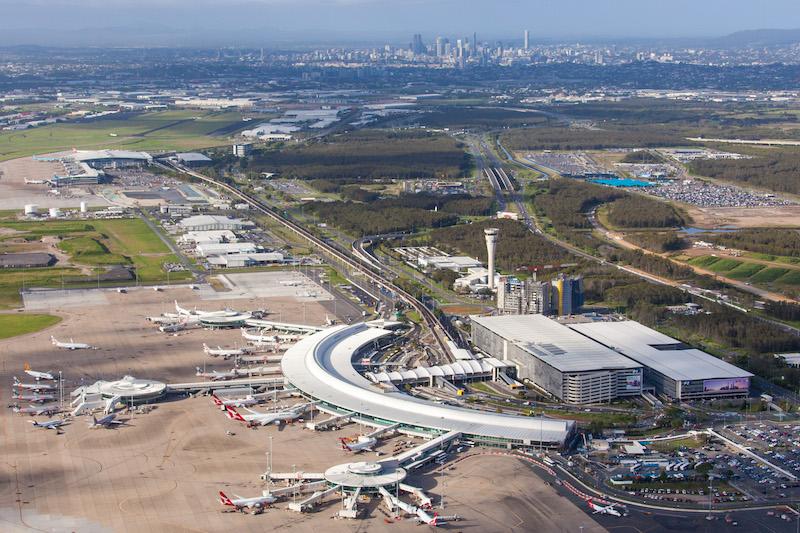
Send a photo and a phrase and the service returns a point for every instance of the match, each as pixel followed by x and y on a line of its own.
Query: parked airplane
pixel 107 421
pixel 49 424
pixel 172 328
pixel 602 509
pixel 362 443
pixel 205 314
pixel 291 283
pixel 225 353
pixel 255 503
pixel 71 345
pixel 237 402
pixel 33 386
pixel 263 419
pixel 260 338
pixel 38 375
pixel 216 375
pixel 37 398
pixel 46 410
pixel 329 321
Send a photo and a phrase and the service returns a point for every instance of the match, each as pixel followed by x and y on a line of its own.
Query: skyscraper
pixel 439 47
pixel 527 41
pixel 417 46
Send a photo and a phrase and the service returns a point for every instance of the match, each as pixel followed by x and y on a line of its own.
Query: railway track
pixel 364 267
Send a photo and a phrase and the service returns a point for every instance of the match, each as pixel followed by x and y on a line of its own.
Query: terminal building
pixel 556 359
pixel 321 368
pixel 673 368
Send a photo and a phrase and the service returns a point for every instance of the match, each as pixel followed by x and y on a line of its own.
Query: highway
pixel 363 268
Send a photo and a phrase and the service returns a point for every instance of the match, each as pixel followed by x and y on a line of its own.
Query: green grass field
pixel 744 270
pixel 12 325
pixel 94 243
pixel 163 130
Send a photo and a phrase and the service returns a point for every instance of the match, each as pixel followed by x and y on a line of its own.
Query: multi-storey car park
pixel 556 359
pixel 673 368
pixel 321 368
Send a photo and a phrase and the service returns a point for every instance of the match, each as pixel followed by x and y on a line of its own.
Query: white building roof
pixel 659 352
pixel 321 366
pixel 95 155
pixel 207 220
pixel 225 248
pixel 193 157
pixel 457 370
pixel 554 343
pixel 209 236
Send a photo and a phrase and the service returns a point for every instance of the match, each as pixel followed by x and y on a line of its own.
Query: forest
pixel 402 213
pixel 565 201
pixel 516 247
pixel 772 241
pixel 636 211
pixel 554 138
pixel 657 241
pixel 484 117
pixel 775 169
pixel 643 157
pixel 367 155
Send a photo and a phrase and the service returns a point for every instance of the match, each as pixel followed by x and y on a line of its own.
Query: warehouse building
pixel 211 223
pixel 675 369
pixel 558 360
pixel 27 260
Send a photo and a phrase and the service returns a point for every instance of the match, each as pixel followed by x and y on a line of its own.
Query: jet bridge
pixel 381 431
pixel 332 421
pixel 312 500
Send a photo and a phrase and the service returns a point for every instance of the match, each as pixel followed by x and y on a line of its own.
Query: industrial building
pixel 225 248
pixel 321 368
pixel 212 222
pixel 243 260
pixel 673 368
pixel 242 149
pixel 193 159
pixel 556 359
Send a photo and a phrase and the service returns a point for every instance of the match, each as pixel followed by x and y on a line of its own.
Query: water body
pixel 695 231
pixel 622 182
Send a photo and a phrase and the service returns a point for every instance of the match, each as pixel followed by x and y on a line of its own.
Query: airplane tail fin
pixel 27 367
pixel 224 500
pixel 344 444
pixel 236 415
pixel 215 399
pixel 435 520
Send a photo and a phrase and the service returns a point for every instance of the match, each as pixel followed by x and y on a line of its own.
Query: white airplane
pixel 255 503
pixel 47 410
pixel 33 386
pixel 362 443
pixel 260 338
pixel 238 402
pixel 263 419
pixel 186 312
pixel 71 345
pixel 107 421
pixel 225 353
pixel 37 398
pixel 602 509
pixel 329 321
pixel 172 328
pixel 34 182
pixel 216 375
pixel 291 283
pixel 49 424
pixel 39 375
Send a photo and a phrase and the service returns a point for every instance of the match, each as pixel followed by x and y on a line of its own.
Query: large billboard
pixel 633 383
pixel 726 385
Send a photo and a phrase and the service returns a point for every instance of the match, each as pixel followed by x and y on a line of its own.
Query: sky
pixel 271 22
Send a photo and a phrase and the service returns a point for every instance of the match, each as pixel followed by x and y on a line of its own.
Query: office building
pixel 523 297
pixel 673 368
pixel 242 149
pixel 439 47
pixel 556 359
pixel 568 294
pixel 526 44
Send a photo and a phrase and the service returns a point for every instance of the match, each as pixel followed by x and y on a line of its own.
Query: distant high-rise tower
pixel 474 48
pixel 439 47
pixel 417 46
pixel 491 245
pixel 527 40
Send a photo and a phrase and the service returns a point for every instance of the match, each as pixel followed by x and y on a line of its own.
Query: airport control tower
pixel 491 245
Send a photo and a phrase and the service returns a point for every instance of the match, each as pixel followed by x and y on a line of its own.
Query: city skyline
pixel 266 22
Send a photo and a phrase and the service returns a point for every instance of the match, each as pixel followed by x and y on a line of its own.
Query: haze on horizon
pixel 304 22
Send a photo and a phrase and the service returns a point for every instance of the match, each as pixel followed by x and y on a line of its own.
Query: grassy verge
pixel 12 325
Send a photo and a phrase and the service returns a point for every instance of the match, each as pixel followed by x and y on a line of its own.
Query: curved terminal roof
pixel 456 371
pixel 321 366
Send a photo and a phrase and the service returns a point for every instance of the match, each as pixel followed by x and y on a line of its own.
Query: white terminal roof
pixel 554 343
pixel 457 370
pixel 321 366
pixel 659 352
pixel 93 155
